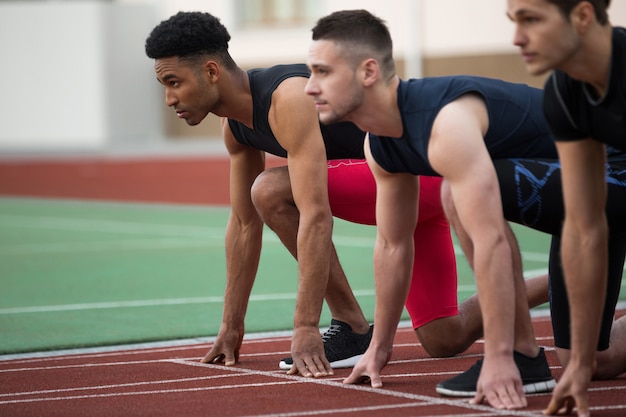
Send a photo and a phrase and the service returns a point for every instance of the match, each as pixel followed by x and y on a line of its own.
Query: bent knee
pixel 443 347
pixel 606 362
pixel 606 369
pixel 271 187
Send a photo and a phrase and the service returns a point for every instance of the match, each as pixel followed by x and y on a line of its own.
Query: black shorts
pixel 532 196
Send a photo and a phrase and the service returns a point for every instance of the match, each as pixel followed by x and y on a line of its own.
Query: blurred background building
pixel 76 79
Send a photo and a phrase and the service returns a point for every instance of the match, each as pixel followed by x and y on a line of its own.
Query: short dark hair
pixel 189 35
pixel 358 28
pixel 599 6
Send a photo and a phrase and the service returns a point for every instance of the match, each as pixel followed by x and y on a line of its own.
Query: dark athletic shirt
pixel 574 112
pixel 517 127
pixel 342 140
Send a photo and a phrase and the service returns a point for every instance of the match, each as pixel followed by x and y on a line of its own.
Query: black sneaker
pixel 535 372
pixel 343 347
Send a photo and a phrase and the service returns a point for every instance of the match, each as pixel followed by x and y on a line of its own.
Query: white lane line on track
pixel 83 365
pixel 157 302
pixel 197 360
pixel 107 246
pixel 151 392
pixel 109 226
pixel 364 388
pixel 122 228
pixel 486 411
pixel 424 401
pixel 204 233
pixel 188 344
pixel 197 300
pixel 113 386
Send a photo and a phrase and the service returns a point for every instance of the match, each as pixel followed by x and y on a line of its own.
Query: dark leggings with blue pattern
pixel 532 196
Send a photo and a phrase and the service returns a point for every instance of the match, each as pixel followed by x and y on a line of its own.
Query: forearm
pixel 313 249
pixel 584 258
pixel 496 292
pixel 584 243
pixel 243 249
pixel 392 273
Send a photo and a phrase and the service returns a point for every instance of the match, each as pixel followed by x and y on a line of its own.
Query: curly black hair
pixel 187 35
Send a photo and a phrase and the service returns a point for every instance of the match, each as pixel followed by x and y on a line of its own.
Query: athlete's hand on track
pixel 226 347
pixel 369 367
pixel 307 352
pixel 571 390
pixel 500 384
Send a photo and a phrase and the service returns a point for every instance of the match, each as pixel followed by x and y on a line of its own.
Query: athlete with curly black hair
pixel 267 111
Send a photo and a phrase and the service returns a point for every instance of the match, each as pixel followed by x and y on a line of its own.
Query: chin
pixel 326 119
pixel 537 69
pixel 332 118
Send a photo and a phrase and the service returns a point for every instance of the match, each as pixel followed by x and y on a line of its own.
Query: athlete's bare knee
pixel 444 337
pixel 606 370
pixel 270 190
pixel 444 348
pixel 607 362
pixel 611 363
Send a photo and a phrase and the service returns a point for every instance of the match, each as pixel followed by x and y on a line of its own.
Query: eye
pixel 527 19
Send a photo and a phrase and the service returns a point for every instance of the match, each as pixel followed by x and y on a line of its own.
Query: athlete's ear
pixel 371 71
pixel 212 70
pixel 582 16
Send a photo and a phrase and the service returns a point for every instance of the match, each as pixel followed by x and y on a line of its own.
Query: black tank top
pixel 342 140
pixel 574 112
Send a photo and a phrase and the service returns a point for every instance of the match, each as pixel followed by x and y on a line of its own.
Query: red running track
pixel 170 381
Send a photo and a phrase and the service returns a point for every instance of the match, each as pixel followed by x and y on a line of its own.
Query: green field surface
pixel 78 274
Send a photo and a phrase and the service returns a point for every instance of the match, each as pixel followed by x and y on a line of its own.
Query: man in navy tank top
pixel 450 127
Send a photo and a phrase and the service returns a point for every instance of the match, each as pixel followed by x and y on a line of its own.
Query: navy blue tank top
pixel 342 140
pixel 517 127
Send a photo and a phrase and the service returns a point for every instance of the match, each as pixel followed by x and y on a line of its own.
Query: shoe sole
pixel 533 388
pixel 343 363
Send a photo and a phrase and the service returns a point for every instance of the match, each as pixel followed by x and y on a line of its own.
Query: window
pixel 276 12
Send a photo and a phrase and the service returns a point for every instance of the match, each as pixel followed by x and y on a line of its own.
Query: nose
pixel 170 98
pixel 519 38
pixel 311 86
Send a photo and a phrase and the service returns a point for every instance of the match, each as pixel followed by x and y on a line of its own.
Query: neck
pixel 380 114
pixel 236 98
pixel 592 64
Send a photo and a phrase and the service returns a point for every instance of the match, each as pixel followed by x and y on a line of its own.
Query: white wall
pixel 51 57
pixel 75 75
pixel 461 27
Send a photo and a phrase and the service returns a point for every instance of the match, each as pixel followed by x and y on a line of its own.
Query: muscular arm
pixel 584 254
pixel 295 124
pixel 457 151
pixel 243 247
pixel 397 198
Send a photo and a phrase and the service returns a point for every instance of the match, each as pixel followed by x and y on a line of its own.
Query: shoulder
pixel 278 73
pixel 281 80
pixel 619 33
pixel 290 94
pixel 619 49
pixel 561 104
pixel 559 91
